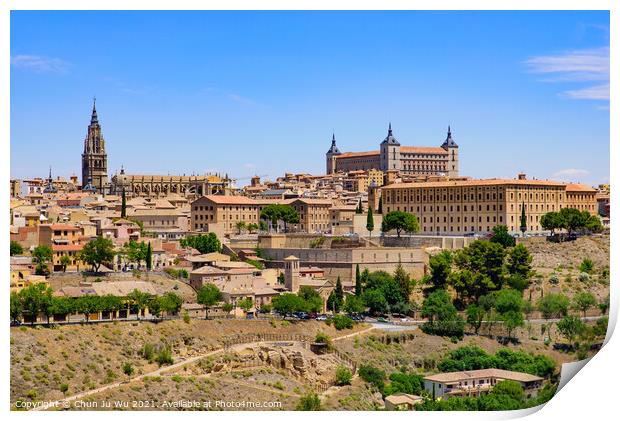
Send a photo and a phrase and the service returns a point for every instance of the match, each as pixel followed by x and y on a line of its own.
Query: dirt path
pixel 257 387
pixel 63 403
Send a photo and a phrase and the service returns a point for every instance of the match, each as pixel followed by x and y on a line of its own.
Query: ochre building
pixel 458 207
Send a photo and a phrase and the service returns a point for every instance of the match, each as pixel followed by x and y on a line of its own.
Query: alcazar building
pixel 392 156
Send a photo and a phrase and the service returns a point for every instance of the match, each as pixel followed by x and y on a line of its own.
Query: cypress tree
pixel 148 256
pixel 523 219
pixel 123 205
pixel 370 222
pixel 380 209
pixel 339 293
pixel 358 209
pixel 358 281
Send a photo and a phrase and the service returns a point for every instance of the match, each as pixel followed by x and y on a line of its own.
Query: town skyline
pixel 560 93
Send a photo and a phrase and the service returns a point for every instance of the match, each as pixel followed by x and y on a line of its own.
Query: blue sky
pixel 249 93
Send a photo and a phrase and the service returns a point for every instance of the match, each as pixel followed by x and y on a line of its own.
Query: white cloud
pixel 40 64
pixel 570 174
pixel 591 65
pixel 249 165
pixel 593 92
pixel 240 99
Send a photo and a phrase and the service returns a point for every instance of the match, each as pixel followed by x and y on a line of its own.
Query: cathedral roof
pixel 390 139
pixel 334 149
pixel 449 142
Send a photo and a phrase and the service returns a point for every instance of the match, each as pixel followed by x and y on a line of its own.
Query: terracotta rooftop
pixel 579 188
pixel 423 149
pixel 228 200
pixel 496 373
pixel 473 183
pixel 357 154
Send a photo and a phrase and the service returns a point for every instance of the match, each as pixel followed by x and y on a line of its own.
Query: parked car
pixel 382 320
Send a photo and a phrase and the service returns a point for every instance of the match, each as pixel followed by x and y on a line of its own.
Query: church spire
pixel 93 118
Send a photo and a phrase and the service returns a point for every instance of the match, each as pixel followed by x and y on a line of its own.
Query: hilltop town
pixel 392 281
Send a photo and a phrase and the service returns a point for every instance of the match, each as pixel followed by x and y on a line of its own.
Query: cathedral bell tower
pixel 94 157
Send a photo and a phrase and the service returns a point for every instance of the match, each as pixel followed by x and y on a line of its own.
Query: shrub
pixel 343 376
pixel 322 338
pixel 554 278
pixel 584 277
pixel 586 266
pixel 309 402
pixel 186 317
pixel 148 352
pixel 342 322
pixel 165 356
pixel 64 388
pixel 373 375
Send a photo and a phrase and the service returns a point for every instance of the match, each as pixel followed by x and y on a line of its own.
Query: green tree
pixel 123 204
pixel 128 370
pixel 593 223
pixel 501 236
pixel 227 307
pixel 288 303
pixel 370 222
pixel 35 298
pixel 64 261
pixel 400 221
pixel 281 278
pixel 245 304
pixel 335 300
pixel 570 327
pixel 138 300
pixel 134 252
pixel 358 281
pixel 438 306
pixel 523 226
pixel 312 299
pixel 208 296
pixel 483 257
pixel 277 212
pixel 519 261
pixel 42 254
pixel 309 402
pixel 16 248
pixel 573 219
pixel 469 285
pixel 204 243
pixel 404 282
pixel 440 267
pixel 375 301
pixel 343 376
pixel 373 375
pixel 171 303
pixel 148 257
pixel 358 209
pixel 583 301
pixel 354 304
pixel 551 221
pixel 97 252
pixel 475 316
pixel 552 306
pixel 380 207
pixel 240 225
pixel 509 306
pixel 16 306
